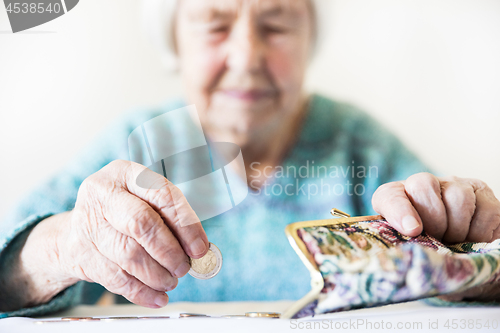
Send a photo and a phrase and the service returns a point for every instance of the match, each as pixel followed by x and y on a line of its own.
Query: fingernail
pixel 162 300
pixel 410 223
pixel 182 269
pixel 198 247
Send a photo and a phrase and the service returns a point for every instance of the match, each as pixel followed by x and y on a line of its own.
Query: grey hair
pixel 158 19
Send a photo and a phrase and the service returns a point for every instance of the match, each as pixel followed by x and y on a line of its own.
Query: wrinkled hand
pixel 451 209
pixel 133 241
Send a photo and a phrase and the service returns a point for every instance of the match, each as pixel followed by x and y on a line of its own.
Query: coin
pixel 263 314
pixel 154 317
pixel 185 315
pixel 207 266
pixel 117 318
pixel 76 318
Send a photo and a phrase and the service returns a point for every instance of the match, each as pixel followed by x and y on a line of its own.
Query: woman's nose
pixel 246 49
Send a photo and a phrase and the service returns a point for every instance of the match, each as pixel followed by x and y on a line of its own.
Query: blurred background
pixel 428 69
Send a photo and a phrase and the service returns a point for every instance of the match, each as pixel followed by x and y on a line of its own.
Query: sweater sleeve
pixel 13 240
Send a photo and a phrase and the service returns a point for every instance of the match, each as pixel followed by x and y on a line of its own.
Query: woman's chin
pixel 240 127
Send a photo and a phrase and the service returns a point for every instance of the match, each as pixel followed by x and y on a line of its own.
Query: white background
pixel 428 69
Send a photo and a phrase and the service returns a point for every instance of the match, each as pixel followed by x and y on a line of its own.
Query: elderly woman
pixel 242 64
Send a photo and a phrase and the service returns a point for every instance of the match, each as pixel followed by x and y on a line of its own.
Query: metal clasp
pixel 338 213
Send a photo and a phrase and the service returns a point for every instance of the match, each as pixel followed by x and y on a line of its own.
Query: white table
pixel 411 317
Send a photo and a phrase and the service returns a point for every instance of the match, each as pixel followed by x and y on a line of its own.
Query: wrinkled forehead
pixel 207 10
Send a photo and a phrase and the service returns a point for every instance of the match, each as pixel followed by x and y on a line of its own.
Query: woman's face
pixel 243 63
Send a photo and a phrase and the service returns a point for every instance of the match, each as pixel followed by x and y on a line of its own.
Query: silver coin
pixel 207 266
pixel 187 315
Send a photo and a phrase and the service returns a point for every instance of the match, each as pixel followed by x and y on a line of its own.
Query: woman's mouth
pixel 251 95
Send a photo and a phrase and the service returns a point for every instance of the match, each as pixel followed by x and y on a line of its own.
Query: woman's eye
pixel 274 29
pixel 219 29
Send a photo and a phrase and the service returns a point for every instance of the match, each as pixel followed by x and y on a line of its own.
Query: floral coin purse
pixel 362 261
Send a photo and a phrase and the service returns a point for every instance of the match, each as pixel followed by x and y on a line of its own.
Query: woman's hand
pixel 451 209
pixel 134 241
